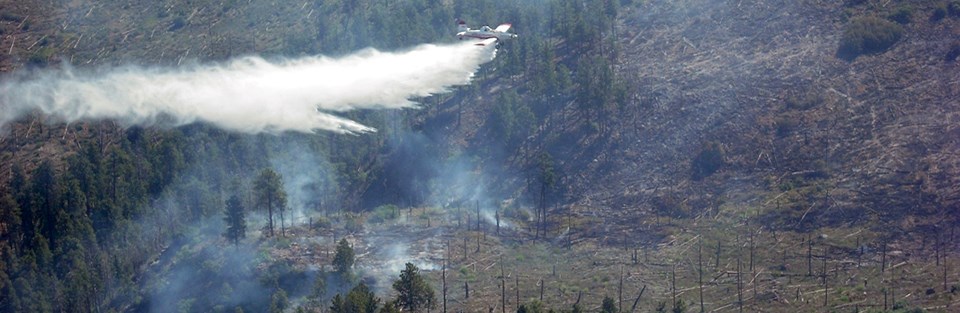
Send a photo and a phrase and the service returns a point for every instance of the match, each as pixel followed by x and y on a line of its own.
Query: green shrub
pixel 938 13
pixel 806 101
pixel 954 8
pixel 786 125
pixel 178 23
pixel 853 3
pixel 516 213
pixel 708 161
pixel 953 53
pixel 902 15
pixel 353 222
pixel 321 222
pixel 847 14
pixel 868 35
pixel 384 213
pixel 10 17
pixel 40 57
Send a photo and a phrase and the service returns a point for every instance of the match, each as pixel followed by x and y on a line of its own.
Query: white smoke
pixel 248 94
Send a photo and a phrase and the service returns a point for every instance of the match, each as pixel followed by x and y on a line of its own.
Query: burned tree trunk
pixel 739 287
pixel 883 257
pixel 634 307
pixel 716 264
pixel 542 283
pixel 443 278
pixel 673 286
pixel 859 252
pixel 517 286
pixel 809 255
pixel 825 282
pixel 619 292
pixel 700 271
pixel 503 288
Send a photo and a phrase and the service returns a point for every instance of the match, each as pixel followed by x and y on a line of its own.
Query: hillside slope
pixel 763 84
pixel 642 125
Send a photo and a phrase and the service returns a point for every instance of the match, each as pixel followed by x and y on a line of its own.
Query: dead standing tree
pixel 700 271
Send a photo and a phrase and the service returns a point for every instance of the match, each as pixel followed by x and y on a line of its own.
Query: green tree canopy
pixel 279 301
pixel 389 307
pixel 344 257
pixel 413 292
pixel 360 299
pixel 268 190
pixel 236 222
pixel 315 298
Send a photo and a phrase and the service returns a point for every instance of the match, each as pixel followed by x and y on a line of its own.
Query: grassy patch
pixel 383 213
pixel 806 101
pixel 868 35
pixel 41 57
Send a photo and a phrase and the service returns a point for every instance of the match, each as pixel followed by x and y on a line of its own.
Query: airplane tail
pixel 461 25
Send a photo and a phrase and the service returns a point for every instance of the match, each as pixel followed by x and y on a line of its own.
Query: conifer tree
pixel 413 292
pixel 344 257
pixel 235 219
pixel 268 189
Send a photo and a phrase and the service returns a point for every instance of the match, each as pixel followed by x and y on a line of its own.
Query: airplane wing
pixel 503 27
pixel 486 42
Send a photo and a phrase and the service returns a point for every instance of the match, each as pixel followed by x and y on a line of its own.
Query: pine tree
pixel 268 189
pixel 319 290
pixel 9 219
pixel 413 292
pixel 548 179
pixel 279 301
pixel 344 257
pixel 337 305
pixel 361 299
pixel 235 219
pixel 44 202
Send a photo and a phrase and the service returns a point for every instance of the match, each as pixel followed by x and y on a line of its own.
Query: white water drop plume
pixel 248 94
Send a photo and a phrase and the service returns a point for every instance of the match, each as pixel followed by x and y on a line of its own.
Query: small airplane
pixel 485 34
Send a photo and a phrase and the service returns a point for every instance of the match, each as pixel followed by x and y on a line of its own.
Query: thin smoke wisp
pixel 248 94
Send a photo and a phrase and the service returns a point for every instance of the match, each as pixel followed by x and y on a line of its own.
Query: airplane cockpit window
pixel 485 28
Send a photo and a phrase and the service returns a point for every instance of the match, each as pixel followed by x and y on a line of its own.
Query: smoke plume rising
pixel 248 94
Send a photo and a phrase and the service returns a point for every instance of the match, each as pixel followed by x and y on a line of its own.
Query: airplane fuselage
pixel 485 34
